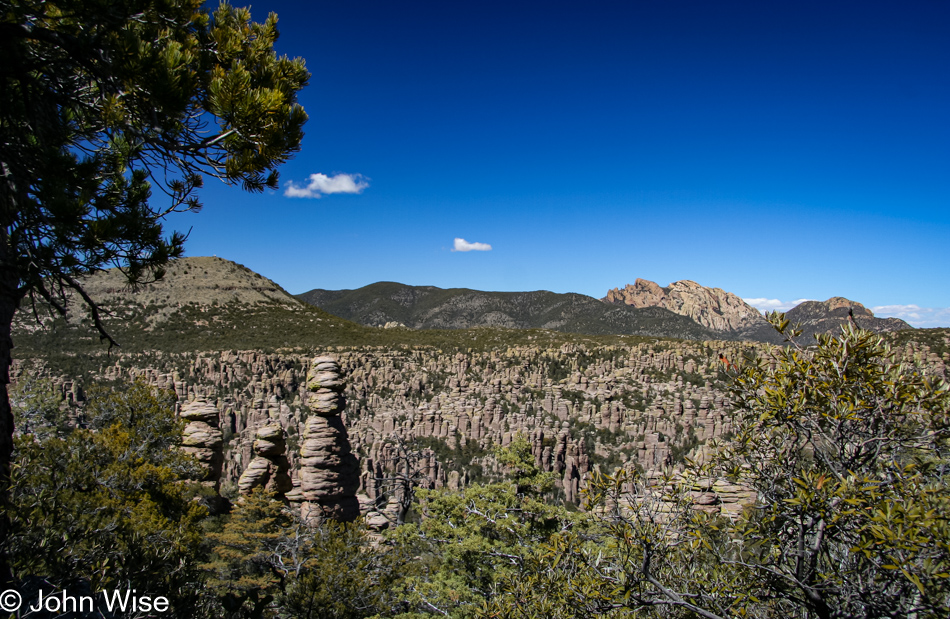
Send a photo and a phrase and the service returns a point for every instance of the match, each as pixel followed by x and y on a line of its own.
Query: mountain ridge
pixel 202 279
pixel 642 308
pixel 430 307
pixel 714 308
pixel 211 301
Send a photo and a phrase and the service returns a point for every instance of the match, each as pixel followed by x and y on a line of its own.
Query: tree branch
pixel 93 309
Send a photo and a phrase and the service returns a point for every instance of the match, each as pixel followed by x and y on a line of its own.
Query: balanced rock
pixel 325 385
pixel 200 409
pixel 203 439
pixel 270 441
pixel 269 469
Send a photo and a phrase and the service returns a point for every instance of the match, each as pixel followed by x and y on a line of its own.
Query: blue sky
pixel 780 151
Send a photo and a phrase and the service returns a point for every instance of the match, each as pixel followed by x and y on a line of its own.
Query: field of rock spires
pixel 318 411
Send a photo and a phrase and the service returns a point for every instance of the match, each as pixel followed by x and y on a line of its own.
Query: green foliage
pixel 102 103
pixel 468 542
pixel 628 559
pixel 109 508
pixel 266 562
pixel 241 572
pixel 522 469
pixel 39 408
pixel 458 459
pixel 845 452
pixel 344 575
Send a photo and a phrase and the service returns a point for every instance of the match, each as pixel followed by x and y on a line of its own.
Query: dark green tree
pixel 110 508
pixel 244 572
pixel 469 542
pixel 266 561
pixel 521 468
pixel 111 115
pixel 335 571
pixel 39 407
pixel 847 449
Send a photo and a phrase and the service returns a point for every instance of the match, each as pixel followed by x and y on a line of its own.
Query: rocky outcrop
pixel 713 308
pixel 269 469
pixel 829 316
pixel 329 472
pixel 659 496
pixel 719 496
pixel 202 438
pixel 580 406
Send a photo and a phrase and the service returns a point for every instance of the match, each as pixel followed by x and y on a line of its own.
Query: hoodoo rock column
pixel 269 469
pixel 329 472
pixel 202 438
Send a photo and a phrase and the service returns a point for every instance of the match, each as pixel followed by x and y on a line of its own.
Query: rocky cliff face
pixel 729 316
pixel 580 407
pixel 829 316
pixel 269 469
pixel 713 308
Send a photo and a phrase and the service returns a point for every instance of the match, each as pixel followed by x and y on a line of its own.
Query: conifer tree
pixel 110 508
pixel 243 570
pixel 111 115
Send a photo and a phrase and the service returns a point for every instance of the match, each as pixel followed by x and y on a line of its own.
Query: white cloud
pixel 774 305
pixel 463 245
pixel 921 317
pixel 321 185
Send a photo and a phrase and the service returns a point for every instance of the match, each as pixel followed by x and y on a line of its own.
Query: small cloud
pixel 896 309
pixel 774 305
pixel 321 185
pixel 764 304
pixel 916 316
pixel 463 245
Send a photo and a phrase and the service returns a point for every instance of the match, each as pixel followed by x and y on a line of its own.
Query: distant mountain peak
pixel 830 315
pixel 713 308
pixel 840 303
pixel 203 280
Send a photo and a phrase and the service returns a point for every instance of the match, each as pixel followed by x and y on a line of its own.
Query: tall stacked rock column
pixel 203 439
pixel 329 472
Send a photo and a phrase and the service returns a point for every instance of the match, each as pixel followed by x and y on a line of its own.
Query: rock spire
pixel 203 439
pixel 269 469
pixel 329 472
